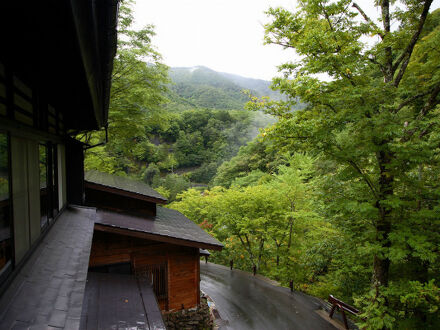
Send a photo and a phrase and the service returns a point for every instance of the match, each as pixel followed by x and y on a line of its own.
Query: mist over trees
pixel 340 190
pixel 171 133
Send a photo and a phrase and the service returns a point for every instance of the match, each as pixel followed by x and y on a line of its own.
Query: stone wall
pixel 188 319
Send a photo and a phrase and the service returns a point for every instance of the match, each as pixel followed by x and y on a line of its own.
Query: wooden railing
pixel 342 307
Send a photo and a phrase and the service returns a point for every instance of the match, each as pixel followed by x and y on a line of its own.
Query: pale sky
pixel 224 35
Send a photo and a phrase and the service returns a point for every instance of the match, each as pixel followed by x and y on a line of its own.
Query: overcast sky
pixel 224 35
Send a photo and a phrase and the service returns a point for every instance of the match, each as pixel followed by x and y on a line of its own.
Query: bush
pixel 150 172
pixel 173 183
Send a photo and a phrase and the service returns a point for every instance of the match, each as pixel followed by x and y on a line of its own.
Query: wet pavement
pixel 248 302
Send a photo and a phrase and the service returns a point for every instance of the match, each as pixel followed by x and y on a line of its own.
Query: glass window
pixel 5 208
pixel 44 197
pixel 54 180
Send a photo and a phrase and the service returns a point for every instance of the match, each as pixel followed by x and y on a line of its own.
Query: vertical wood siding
pixel 183 270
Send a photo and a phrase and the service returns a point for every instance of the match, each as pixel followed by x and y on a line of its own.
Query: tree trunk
pixel 289 243
pixel 260 252
pixel 247 248
pixel 381 263
pixel 278 245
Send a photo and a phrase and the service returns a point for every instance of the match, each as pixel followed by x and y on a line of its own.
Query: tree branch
pixel 372 60
pixel 385 7
pixel 327 17
pixel 355 5
pixel 365 177
pixel 410 100
pixel 432 102
pixel 406 55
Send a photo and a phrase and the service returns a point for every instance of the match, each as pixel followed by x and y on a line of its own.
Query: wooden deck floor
pixel 114 301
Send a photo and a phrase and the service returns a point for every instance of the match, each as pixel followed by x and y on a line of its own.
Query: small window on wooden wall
pixel 5 209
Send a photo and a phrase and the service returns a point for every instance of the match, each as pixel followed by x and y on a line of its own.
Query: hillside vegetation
pixel 340 196
pixel 174 127
pixel 201 87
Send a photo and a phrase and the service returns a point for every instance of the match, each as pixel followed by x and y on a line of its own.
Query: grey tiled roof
pixel 48 291
pixel 167 222
pixel 121 183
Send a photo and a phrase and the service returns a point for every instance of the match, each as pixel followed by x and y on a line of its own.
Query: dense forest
pixel 339 193
pixel 171 127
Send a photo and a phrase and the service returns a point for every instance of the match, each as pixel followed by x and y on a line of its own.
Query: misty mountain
pixel 259 87
pixel 201 87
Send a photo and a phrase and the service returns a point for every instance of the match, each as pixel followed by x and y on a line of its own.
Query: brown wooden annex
pixel 133 235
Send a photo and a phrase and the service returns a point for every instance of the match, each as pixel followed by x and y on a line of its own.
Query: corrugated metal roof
pixel 121 183
pixel 166 223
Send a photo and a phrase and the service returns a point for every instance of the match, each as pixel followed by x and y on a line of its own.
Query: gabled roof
pixel 122 186
pixel 168 226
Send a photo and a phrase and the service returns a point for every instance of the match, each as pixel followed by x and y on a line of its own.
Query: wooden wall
pixel 182 262
pixel 115 202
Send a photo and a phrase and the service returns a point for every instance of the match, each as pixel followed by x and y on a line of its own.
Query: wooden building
pixel 56 60
pixel 135 235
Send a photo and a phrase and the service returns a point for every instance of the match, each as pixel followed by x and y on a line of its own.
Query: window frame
pixel 47 203
pixel 7 269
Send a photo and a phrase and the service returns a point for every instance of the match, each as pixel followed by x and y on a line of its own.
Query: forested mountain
pixel 177 129
pixel 259 87
pixel 201 87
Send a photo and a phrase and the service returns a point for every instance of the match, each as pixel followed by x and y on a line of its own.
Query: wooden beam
pixel 156 237
pixel 24 131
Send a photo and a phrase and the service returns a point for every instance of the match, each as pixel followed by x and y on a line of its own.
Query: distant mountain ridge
pixel 259 86
pixel 201 87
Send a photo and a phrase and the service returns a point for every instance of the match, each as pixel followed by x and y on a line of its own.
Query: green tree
pixel 138 90
pixel 150 172
pixel 172 184
pixel 257 155
pixel 374 122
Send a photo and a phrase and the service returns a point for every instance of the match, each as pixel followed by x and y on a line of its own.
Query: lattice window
pixel 157 276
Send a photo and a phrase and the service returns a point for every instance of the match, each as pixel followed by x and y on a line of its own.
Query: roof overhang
pixel 156 237
pixel 125 193
pixel 64 51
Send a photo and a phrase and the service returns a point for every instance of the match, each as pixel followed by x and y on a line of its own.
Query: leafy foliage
pixel 267 224
pixel 374 127
pixel 138 85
